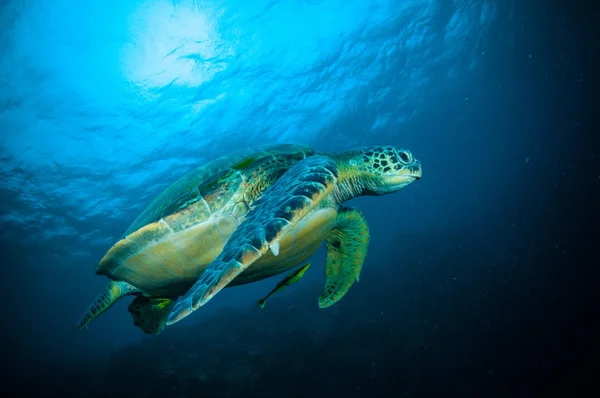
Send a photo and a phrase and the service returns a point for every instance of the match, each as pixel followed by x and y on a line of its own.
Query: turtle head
pixel 374 171
pixel 388 169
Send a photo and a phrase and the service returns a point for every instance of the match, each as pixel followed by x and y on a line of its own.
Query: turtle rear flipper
pixel 150 314
pixel 113 291
pixel 346 245
pixel 282 205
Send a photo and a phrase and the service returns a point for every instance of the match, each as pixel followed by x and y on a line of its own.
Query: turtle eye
pixel 405 156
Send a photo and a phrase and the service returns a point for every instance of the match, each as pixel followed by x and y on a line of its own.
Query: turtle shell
pixel 171 242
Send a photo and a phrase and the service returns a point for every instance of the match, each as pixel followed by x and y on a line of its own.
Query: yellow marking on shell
pixel 226 225
pixel 240 209
pixel 204 202
pixel 220 193
pixel 194 214
pixel 132 244
pixel 184 255
pixel 149 234
pixel 164 224
pixel 143 265
pixel 112 259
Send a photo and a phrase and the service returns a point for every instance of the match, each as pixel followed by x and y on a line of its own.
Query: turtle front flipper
pixel 282 205
pixel 113 291
pixel 346 245
pixel 150 314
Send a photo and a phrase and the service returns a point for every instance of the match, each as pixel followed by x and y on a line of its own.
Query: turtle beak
pixel 410 172
pixel 407 175
pixel 415 170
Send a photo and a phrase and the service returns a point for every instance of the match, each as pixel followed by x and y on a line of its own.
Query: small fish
pixel 288 280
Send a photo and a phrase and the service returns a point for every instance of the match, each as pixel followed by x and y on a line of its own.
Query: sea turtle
pixel 244 217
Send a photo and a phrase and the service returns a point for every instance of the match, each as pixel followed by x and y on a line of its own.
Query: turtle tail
pixel 113 291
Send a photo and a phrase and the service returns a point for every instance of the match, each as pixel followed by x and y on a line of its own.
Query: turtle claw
pixel 275 248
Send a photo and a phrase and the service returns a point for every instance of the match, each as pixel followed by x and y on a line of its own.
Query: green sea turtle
pixel 244 217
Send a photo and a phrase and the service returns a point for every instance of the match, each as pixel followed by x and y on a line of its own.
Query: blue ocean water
pixel 103 104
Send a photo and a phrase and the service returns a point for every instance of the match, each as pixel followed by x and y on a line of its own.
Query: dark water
pixel 476 282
